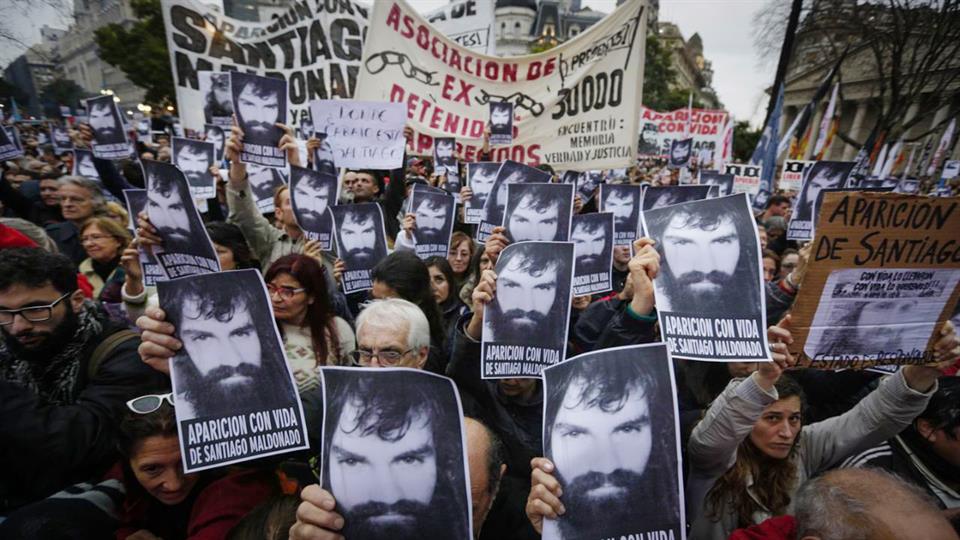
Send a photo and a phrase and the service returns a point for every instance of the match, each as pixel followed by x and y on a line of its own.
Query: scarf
pixel 54 380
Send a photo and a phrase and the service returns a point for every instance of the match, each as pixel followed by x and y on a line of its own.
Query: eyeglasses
pixel 387 358
pixel 31 313
pixel 149 403
pixel 285 293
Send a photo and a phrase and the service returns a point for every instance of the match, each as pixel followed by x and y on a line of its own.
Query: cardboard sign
pixel 363 134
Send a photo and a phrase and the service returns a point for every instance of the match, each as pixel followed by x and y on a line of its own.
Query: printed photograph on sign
pixel 264 183
pixel 511 172
pixel 110 137
pixel 8 147
pixel 216 135
pixel 136 201
pixel 361 242
pixel 623 201
pixel 746 178
pixel 723 182
pixel 217 98
pixel 186 248
pixel 61 139
pixel 872 182
pixel 363 134
pixel 759 202
pixel 305 129
pixel 680 152
pixel 234 395
pixel 260 103
pixel 821 175
pixel 649 144
pixel 481 177
pixel 323 156
pixel 312 195
pixel 592 236
pixel 538 212
pixel 791 178
pixel 908 185
pixel 569 177
pixel 444 154
pixel 610 427
pixel 394 454
pixel 435 212
pixel 194 159
pixel 525 326
pixel 587 183
pixel 710 291
pixel 659 196
pixel 501 123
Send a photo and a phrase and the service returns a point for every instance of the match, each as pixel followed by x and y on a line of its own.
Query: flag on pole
pixel 828 125
pixel 801 123
pixel 726 155
pixel 687 129
pixel 913 150
pixel 894 157
pixel 766 151
pixel 945 141
pixel 14 112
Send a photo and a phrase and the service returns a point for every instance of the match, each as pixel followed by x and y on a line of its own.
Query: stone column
pixel 849 151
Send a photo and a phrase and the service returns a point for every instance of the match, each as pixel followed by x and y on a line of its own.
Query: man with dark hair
pixel 65 373
pixel 264 182
pixel 624 202
pixel 194 159
pixel 217 101
pixel 312 194
pixel 228 364
pixel 323 157
pixel 500 116
pixel 822 175
pixel 359 239
pixel 168 209
pixel 777 205
pixel 483 176
pixel 258 110
pixel 104 122
pixel 214 134
pixel 590 237
pixel 536 216
pixel 680 151
pixel 432 220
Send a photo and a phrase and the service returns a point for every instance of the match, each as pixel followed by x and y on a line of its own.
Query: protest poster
pixel 680 152
pixel 361 242
pixel 136 201
pixel 186 249
pixel 592 236
pixel 142 127
pixel 658 130
pixel 759 201
pixel 746 178
pixel 881 282
pixel 436 211
pixel 451 180
pixel 312 194
pixel 61 139
pixel 510 172
pixel 260 103
pixel 791 178
pixel 305 129
pixel 481 177
pixel 394 454
pixel 83 164
pixel 264 182
pixel 575 106
pixel 218 136
pixel 538 212
pixel 8 147
pixel 444 155
pixel 323 158
pixel 501 123
pixel 235 396
pixel 469 23
pixel 587 182
pixel 525 326
pixel 623 201
pixel 723 182
pixel 873 182
pixel 660 196
pixel 710 292
pixel 109 137
pixel 216 97
pixel 363 134
pixel 611 429
pixel 194 159
pixel 569 177
pixel 951 169
pixel 821 175
pixel 908 185
pixel 314 45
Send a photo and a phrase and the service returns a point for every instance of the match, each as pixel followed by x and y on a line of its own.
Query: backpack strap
pixel 107 347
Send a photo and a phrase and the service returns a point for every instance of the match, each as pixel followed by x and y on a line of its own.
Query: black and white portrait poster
pixel 260 103
pixel 236 398
pixel 83 164
pixel 142 126
pixel 481 177
pixel 680 152
pixel 444 154
pixel 136 200
pixel 592 236
pixel 623 201
pixel 587 183
pixel 610 427
pixel 821 175
pixel 452 183
pixel 217 98
pixel 61 139
pixel 511 172
pixel 187 249
pixel 305 129
pixel 723 182
pixel 323 156
pixel 264 182
pixel 661 196
pixel 709 292
pixel 759 201
pixel 501 123
pixel 570 177
pixel 361 242
pixel 394 454
pixel 110 139
pixel 8 147
pixel 746 178
pixel 312 195
pixel 216 135
pixel 525 326
pixel 435 210
pixel 538 212
pixel 194 158
pixel 908 185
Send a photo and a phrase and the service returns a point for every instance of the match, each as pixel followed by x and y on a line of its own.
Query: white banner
pixel 658 130
pixel 468 22
pixel 315 45
pixel 576 106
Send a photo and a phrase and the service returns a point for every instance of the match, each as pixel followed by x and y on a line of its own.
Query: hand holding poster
pixel 8 147
pixel 194 159
pixel 361 242
pixel 136 200
pixel 260 104
pixel 312 193
pixel 364 134
pixel 821 175
pixel 623 201
pixel 525 325
pixel 616 482
pixel 235 396
pixel 710 292
pixel 592 236
pixel 435 211
pixel 538 212
pixel 481 177
pixel 394 454
pixel 110 139
pixel 216 135
pixel 510 172
pixel 881 282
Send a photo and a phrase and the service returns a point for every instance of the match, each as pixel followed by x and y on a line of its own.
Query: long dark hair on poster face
pixel 405 273
pixel 320 317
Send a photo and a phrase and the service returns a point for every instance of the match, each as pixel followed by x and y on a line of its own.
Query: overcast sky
pixel 724 25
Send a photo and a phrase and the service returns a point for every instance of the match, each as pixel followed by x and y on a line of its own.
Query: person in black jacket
pixel 44 212
pixel 58 403
pixel 80 199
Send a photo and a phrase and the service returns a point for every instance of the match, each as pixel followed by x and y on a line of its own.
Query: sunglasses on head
pixel 149 403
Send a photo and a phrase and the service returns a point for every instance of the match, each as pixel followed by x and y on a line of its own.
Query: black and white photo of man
pixel 83 164
pixel 434 212
pixel 867 328
pixel 110 139
pixel 194 158
pixel 214 133
pixel 217 98
pixel 724 182
pixel 323 157
pixel 592 236
pixel 264 182
pixel 610 430
pixel 312 192
pixel 649 144
pixel 538 212
pixel 306 126
pixel 361 242
pixel 587 183
pixel 511 172
pixel 821 175
pixel 501 123
pixel 260 103
pixel 444 154
pixel 481 177
pixel 61 139
pixel 660 196
pixel 394 454
pixel 680 152
pixel 623 201
pixel 8 146
pixel 529 310
pixel 908 185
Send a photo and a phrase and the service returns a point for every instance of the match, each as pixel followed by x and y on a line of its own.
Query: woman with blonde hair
pixel 103 240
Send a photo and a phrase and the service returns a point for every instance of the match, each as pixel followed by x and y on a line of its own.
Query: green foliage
pixel 744 141
pixel 659 79
pixel 140 51
pixel 8 91
pixel 60 92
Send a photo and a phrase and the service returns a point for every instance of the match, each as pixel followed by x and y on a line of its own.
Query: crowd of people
pixel 88 421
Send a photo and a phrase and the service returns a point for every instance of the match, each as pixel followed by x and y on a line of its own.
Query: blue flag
pixel 14 113
pixel 766 151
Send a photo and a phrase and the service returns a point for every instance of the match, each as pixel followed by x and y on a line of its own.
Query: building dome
pixel 527 4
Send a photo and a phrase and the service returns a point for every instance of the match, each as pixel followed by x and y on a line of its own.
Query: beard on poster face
pixel 259 111
pixel 225 390
pixel 500 117
pixel 589 247
pixel 823 178
pixel 358 236
pixel 104 122
pixel 601 501
pixel 527 304
pixel 625 209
